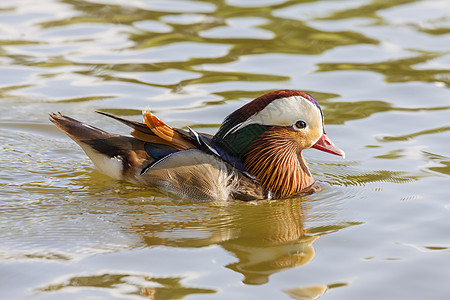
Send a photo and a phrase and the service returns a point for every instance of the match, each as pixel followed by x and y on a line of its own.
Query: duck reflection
pixel 270 240
pixel 266 238
pixel 258 263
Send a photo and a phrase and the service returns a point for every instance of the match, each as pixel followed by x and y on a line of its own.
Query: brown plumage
pixel 275 159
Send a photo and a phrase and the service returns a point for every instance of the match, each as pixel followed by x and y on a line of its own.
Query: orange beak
pixel 325 144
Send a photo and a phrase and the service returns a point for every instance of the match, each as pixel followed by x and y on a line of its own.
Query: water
pixel 377 230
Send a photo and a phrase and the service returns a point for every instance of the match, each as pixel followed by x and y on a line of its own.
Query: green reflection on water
pixel 340 112
pixel 163 287
pixel 445 169
pixel 400 70
pixel 368 10
pixel 415 134
pixel 441 164
pixel 290 36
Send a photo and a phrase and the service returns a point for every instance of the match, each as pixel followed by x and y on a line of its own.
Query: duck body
pixel 256 154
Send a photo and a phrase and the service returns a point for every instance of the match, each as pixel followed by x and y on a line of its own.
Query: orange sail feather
pixel 166 132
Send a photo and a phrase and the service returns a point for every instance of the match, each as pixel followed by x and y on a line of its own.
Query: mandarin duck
pixel 256 153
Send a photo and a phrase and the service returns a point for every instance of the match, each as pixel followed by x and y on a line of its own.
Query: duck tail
pixel 114 155
pixel 77 130
pixel 138 127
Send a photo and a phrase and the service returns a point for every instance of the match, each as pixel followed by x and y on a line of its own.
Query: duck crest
pixel 235 140
pixel 275 159
pixel 242 114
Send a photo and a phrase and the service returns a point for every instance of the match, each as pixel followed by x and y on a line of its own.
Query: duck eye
pixel 299 125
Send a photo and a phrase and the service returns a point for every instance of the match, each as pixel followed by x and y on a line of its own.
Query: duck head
pixel 268 134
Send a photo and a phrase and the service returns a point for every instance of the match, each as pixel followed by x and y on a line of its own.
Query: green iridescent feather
pixel 236 143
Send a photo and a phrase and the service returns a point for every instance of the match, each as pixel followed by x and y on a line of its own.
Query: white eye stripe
pixel 285 112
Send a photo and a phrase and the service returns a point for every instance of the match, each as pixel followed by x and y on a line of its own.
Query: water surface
pixel 377 230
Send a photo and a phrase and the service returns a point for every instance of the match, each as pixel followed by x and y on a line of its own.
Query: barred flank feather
pixel 276 160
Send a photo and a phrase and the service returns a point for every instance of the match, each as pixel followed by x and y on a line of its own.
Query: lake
pixel 378 229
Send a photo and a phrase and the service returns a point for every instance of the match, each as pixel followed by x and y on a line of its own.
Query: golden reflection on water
pixel 264 241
